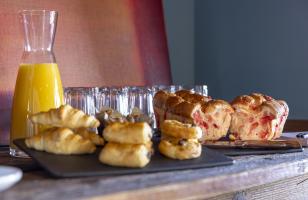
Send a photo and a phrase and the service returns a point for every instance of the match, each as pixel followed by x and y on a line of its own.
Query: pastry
pixel 128 133
pixel 179 130
pixel 212 116
pixel 258 117
pixel 180 148
pixel 65 116
pixel 60 141
pixel 126 155
pixel 90 135
pixel 180 141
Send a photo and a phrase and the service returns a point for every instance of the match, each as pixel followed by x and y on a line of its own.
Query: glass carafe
pixel 38 85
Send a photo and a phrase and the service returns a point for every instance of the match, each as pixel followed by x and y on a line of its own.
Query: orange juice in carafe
pixel 38 86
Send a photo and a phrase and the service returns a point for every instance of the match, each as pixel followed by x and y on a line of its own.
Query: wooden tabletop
pixel 288 171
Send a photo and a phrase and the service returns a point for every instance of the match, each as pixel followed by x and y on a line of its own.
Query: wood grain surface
pixel 295 188
pixel 247 172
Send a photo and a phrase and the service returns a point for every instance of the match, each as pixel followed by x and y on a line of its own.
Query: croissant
pixel 60 141
pixel 65 116
pixel 90 135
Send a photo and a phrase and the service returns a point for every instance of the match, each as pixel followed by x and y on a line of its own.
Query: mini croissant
pixel 60 141
pixel 65 116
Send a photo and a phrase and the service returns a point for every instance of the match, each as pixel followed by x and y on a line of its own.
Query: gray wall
pixel 246 46
pixel 241 46
pixel 179 19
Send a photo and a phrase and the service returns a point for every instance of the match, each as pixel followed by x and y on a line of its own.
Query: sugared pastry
pixel 90 135
pixel 212 116
pixel 65 116
pixel 177 129
pixel 180 149
pixel 126 155
pixel 128 133
pixel 258 117
pixel 60 141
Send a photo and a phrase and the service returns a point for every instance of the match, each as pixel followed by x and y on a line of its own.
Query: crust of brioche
pixel 160 98
pixel 192 97
pixel 172 101
pixel 213 105
pixel 185 109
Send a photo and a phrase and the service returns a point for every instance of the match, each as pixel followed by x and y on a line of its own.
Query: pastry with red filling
pixel 257 117
pixel 212 116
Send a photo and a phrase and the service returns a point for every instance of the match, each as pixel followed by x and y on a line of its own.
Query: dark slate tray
pixel 89 165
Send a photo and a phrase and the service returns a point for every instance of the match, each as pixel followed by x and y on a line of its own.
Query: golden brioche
pixel 257 117
pixel 212 116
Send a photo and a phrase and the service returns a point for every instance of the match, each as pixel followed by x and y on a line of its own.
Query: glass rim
pixel 37 12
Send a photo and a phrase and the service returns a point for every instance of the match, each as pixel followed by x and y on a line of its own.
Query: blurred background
pixel 235 47
pixel 239 46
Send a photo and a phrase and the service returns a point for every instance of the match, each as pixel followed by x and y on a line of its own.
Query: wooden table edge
pixel 213 186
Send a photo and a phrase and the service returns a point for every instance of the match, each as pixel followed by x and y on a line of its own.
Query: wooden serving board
pixel 239 148
pixel 89 165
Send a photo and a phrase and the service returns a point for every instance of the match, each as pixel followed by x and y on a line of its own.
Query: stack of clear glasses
pixel 123 99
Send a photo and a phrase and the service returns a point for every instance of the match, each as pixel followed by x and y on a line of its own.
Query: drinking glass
pixel 201 89
pixel 102 98
pixel 119 99
pixel 82 98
